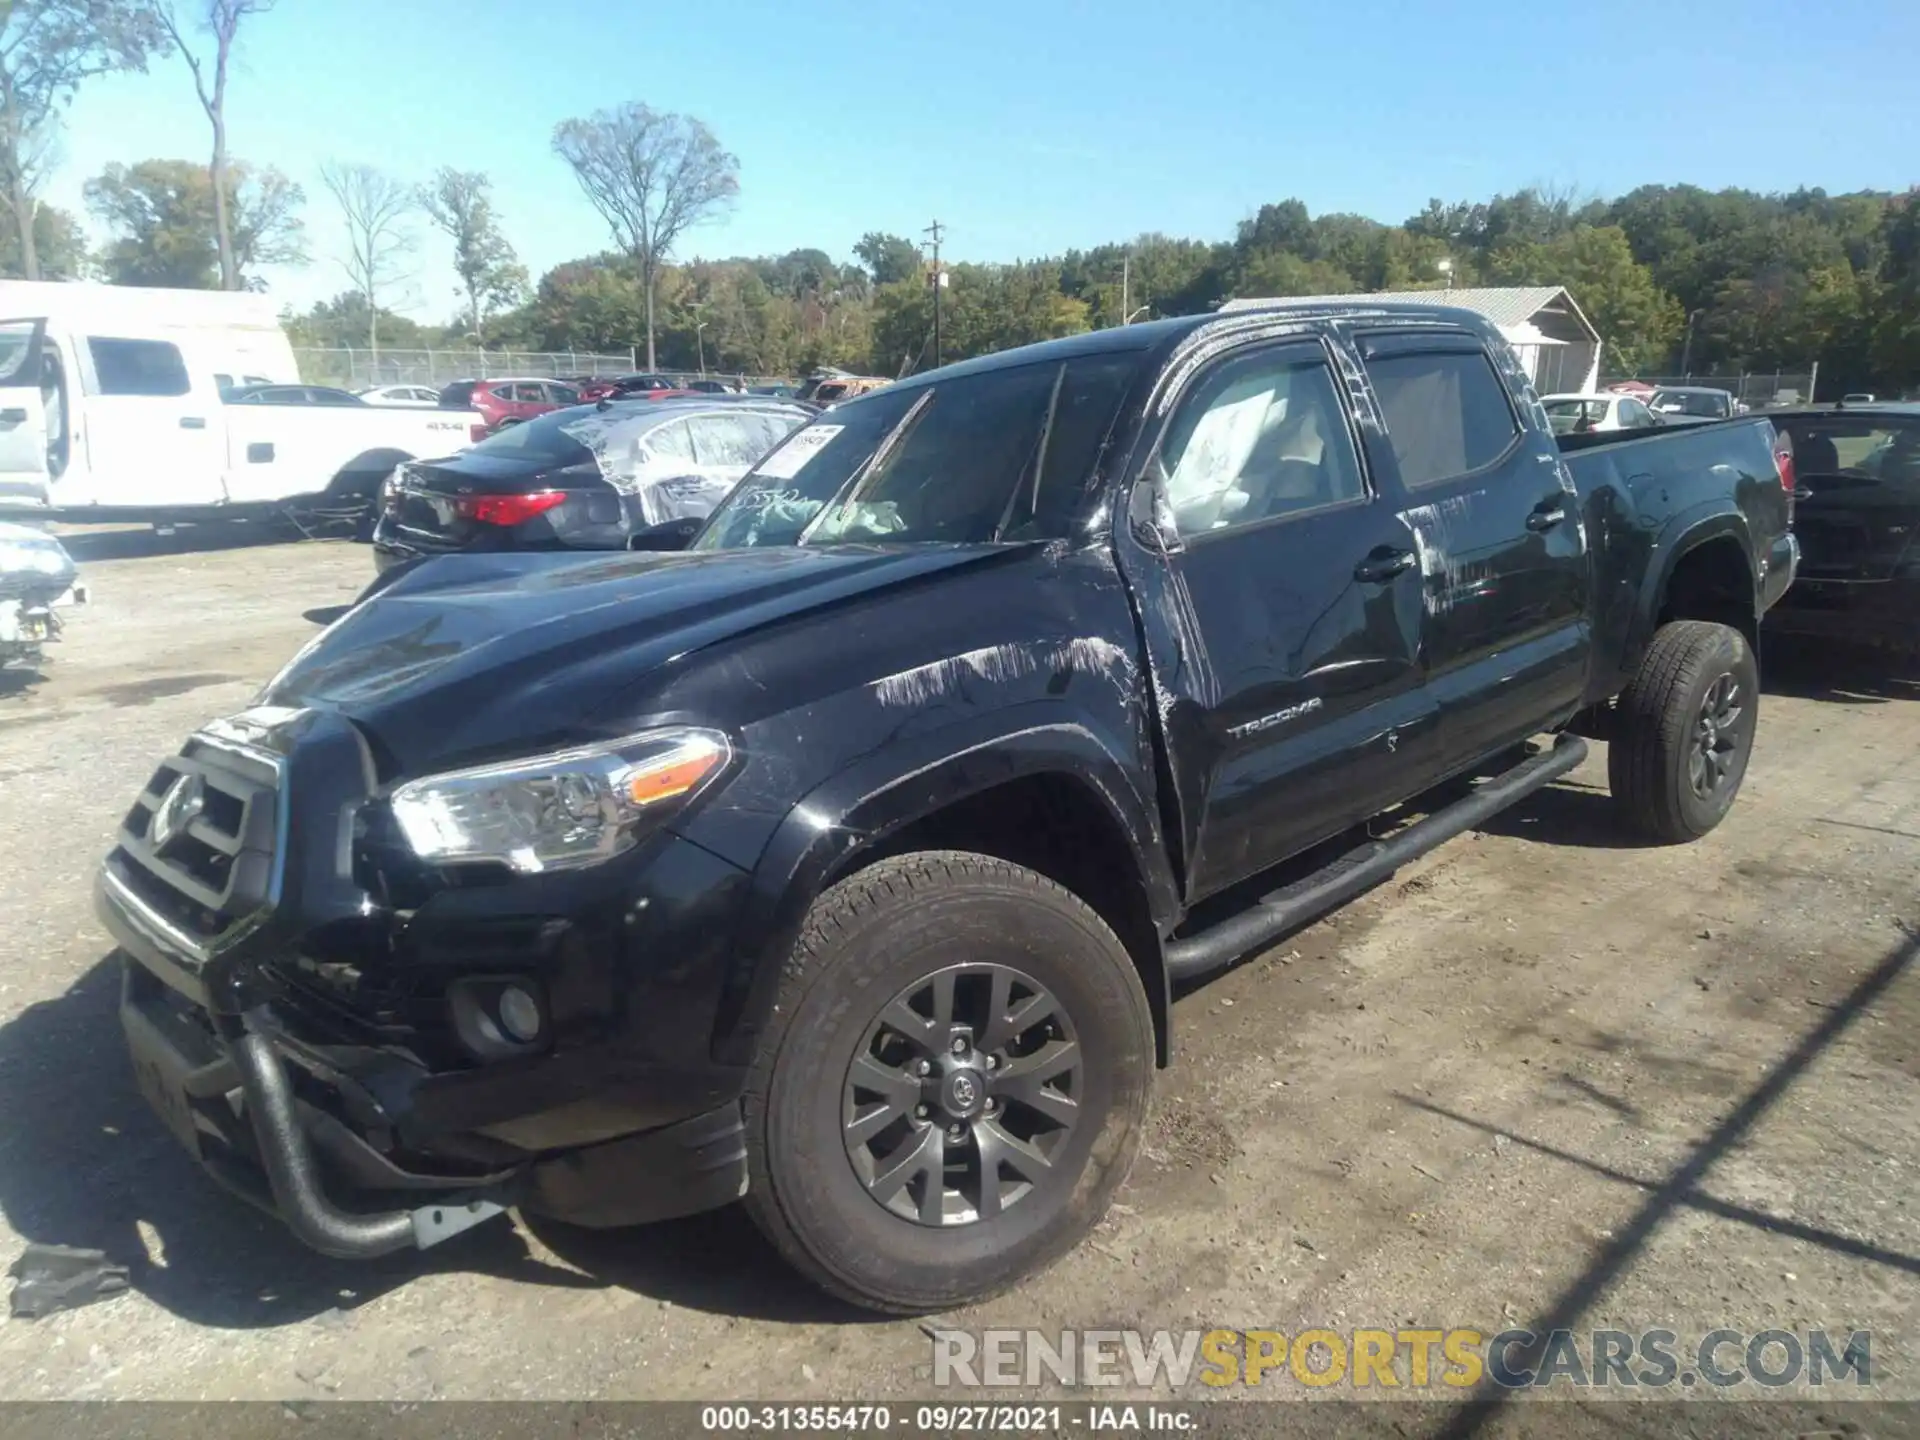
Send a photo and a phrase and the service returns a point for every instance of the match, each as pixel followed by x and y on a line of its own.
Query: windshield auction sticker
pixel 791 458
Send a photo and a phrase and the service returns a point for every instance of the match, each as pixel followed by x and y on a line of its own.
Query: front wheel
pixel 952 1086
pixel 1683 730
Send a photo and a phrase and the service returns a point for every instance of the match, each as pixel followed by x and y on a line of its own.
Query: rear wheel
pixel 1683 730
pixel 953 1084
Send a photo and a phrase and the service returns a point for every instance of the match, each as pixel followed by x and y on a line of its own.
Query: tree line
pixel 1673 276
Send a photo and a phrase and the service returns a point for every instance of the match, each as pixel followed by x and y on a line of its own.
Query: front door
pixel 1281 600
pixel 1502 546
pixel 29 412
pixel 154 435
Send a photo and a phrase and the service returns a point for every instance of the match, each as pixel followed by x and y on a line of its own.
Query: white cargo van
pixel 112 407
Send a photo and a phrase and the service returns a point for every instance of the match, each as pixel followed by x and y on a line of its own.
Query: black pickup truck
pixel 845 855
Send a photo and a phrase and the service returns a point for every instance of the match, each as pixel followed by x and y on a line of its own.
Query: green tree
pixel 161 214
pixel 57 241
pixel 343 321
pixel 460 205
pixel 48 49
pixel 1637 320
pixel 888 258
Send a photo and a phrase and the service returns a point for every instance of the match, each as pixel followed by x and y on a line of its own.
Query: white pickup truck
pixel 112 406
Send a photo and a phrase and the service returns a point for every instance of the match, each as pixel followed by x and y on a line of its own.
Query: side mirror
pixel 668 535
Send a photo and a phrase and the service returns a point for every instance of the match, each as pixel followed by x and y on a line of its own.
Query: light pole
pixel 1135 314
pixel 1445 266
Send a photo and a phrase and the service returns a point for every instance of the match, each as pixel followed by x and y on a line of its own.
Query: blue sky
pixel 1031 127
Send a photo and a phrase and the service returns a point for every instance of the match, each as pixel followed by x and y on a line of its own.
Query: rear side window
pixel 1843 445
pixel 729 440
pixel 1446 413
pixel 671 442
pixel 137 367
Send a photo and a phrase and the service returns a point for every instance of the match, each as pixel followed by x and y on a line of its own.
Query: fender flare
pixel 861 805
pixel 1680 536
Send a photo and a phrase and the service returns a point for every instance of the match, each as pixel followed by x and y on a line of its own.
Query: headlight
pixel 44 557
pixel 558 811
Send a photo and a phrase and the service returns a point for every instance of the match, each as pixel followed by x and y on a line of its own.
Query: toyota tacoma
pixel 841 853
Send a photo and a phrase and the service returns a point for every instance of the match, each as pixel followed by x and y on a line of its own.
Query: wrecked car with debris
pixel 845 858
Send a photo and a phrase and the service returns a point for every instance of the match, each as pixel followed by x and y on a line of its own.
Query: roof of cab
pixel 1152 334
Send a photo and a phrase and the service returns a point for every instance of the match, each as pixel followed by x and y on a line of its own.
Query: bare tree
pixel 459 202
pixel 651 175
pixel 221 19
pixel 376 208
pixel 47 48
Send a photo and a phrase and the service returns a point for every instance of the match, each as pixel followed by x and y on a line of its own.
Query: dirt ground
pixel 1545 1078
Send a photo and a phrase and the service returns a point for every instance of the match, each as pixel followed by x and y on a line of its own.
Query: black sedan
pixel 587 477
pixel 1857 514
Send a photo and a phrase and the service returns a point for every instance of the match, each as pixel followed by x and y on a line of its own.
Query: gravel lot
pixel 1546 1077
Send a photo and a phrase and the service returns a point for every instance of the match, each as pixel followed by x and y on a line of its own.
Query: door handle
pixel 13 415
pixel 193 422
pixel 1547 516
pixel 1383 564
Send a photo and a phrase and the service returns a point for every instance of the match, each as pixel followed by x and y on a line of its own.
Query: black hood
pixel 472 656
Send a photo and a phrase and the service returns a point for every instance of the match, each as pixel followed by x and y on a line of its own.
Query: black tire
pixel 1674 759
pixel 865 944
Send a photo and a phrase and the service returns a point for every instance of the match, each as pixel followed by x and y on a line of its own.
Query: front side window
pixel 137 367
pixel 1446 413
pixel 998 455
pixel 1262 437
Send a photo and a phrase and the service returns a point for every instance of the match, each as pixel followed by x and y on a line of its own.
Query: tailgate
pixel 1858 498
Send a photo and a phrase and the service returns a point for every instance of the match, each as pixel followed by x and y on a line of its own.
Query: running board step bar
pixel 1361 869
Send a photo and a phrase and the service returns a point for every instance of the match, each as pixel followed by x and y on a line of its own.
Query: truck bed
pixel 1635 485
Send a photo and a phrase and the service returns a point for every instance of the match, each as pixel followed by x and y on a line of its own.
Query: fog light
pixel 519 1015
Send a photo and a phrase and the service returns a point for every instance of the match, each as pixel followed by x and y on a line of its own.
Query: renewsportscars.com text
pixel 1442 1360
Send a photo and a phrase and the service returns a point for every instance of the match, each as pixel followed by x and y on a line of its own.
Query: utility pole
pixel 1686 350
pixel 937 280
pixel 1126 279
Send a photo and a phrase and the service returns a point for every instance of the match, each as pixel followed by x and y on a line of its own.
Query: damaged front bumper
pixel 366 1126
pixel 232 1101
pixel 281 1124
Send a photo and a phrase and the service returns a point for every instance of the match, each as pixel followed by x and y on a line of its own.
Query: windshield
pixel 1567 416
pixel 1693 402
pixel 999 455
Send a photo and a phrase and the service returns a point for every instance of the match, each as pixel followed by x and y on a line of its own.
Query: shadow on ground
pixel 1843 674
pixel 144 542
pixel 84 1163
pixel 17 680
pixel 1683 1189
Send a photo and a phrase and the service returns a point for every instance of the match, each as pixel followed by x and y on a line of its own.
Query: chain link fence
pixel 1757 390
pixel 356 369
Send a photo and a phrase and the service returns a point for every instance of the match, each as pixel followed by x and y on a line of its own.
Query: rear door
pixel 29 412
pixel 1857 492
pixel 1281 600
pixel 154 435
pixel 1502 546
